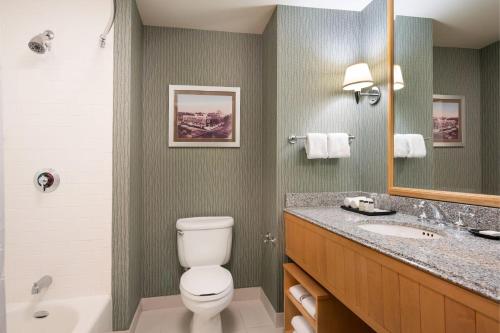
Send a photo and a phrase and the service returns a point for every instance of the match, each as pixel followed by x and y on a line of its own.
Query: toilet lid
pixel 206 280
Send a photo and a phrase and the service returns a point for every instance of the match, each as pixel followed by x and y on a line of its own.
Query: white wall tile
pixel 57 113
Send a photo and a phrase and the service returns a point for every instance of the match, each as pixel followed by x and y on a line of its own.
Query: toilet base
pixel 203 324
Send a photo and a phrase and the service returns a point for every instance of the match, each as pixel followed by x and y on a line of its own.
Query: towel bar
pixel 292 139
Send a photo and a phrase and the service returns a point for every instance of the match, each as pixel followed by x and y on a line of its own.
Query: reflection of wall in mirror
pixel 457 167
pixel 468 72
pixel 490 118
pixel 413 104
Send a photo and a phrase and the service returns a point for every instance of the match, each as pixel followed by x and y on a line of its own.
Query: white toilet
pixel 204 244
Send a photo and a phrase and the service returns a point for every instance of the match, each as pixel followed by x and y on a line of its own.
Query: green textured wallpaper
pixel 184 182
pixel 314 47
pixel 270 256
pixel 127 165
pixel 291 83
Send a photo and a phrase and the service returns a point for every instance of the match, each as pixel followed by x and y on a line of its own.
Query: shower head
pixel 41 42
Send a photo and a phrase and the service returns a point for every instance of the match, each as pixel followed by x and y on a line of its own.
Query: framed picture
pixel 448 117
pixel 201 116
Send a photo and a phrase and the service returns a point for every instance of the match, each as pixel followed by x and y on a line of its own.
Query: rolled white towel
pixel 416 143
pixel 310 305
pixel 300 324
pixel 354 202
pixel 316 145
pixel 401 146
pixel 299 292
pixel 338 145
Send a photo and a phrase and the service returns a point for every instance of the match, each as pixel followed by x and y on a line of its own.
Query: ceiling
pixel 458 23
pixel 250 16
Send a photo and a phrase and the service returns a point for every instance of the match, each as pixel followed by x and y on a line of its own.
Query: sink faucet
pixel 44 282
pixel 422 215
pixel 439 215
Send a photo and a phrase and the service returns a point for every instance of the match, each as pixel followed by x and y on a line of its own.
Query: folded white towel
pixel 316 145
pixel 301 325
pixel 338 145
pixel 401 146
pixel 416 143
pixel 309 303
pixel 299 292
pixel 354 201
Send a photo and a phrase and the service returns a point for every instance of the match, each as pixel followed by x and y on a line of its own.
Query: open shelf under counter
pixel 331 315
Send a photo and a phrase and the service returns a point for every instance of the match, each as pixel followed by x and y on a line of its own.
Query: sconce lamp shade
pixel 357 77
pixel 398 78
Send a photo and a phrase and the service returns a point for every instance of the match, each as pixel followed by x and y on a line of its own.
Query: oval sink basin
pixel 400 231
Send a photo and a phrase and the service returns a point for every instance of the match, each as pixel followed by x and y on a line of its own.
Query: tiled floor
pixel 239 317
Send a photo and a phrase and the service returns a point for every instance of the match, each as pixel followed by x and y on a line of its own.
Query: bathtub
pixel 74 315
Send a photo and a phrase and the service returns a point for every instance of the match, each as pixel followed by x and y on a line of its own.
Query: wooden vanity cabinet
pixel 387 294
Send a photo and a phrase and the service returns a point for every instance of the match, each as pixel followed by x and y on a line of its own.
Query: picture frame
pixel 448 118
pixel 204 116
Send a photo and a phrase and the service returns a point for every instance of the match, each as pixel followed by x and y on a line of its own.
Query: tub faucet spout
pixel 44 282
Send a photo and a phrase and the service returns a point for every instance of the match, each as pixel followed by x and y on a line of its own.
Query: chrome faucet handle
pixel 46 180
pixel 423 216
pixel 43 180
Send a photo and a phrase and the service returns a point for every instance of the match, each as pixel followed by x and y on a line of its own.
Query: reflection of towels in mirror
pixel 416 143
pixel 401 146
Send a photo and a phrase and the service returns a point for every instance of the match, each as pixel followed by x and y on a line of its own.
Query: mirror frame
pixel 458 197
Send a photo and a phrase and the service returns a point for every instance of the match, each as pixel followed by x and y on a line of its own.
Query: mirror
pixel 446 114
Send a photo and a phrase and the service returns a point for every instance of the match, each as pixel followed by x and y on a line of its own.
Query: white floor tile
pixel 172 320
pixel 232 321
pixel 265 329
pixel 254 314
pixel 239 317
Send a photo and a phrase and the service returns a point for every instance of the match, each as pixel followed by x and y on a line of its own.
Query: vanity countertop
pixel 459 257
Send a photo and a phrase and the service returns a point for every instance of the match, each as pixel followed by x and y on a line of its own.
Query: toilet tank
pixel 203 241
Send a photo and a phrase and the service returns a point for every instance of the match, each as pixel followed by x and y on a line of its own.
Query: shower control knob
pixel 46 180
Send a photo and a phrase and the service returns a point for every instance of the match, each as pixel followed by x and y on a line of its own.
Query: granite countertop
pixel 459 257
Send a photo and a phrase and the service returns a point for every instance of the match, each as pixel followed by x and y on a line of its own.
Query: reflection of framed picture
pixel 448 117
pixel 201 116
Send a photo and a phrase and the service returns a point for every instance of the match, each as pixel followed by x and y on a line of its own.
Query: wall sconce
pixel 399 83
pixel 358 77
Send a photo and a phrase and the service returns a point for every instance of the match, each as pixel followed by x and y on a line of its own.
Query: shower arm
pixel 103 36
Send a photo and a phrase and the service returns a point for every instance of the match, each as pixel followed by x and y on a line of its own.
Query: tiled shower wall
pixel 57 112
pixel 2 220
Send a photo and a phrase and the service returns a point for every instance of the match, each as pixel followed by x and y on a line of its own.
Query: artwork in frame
pixel 203 116
pixel 448 117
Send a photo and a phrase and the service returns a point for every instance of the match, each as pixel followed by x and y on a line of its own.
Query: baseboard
pixel 175 301
pixel 278 318
pixel 135 320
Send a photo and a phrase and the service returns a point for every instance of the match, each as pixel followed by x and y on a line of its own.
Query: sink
pixel 400 231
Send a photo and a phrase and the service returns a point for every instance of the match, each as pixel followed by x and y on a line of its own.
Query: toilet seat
pixel 206 283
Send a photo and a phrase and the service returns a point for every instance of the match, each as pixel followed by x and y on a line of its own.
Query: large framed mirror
pixel 444 110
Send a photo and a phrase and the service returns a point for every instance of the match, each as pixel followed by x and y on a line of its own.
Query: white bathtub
pixel 73 315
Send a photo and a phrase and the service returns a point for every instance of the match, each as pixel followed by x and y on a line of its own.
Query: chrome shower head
pixel 41 42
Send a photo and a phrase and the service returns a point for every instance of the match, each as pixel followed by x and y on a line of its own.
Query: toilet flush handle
pixel 180 233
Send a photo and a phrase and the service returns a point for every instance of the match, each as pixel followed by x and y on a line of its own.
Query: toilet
pixel 204 244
